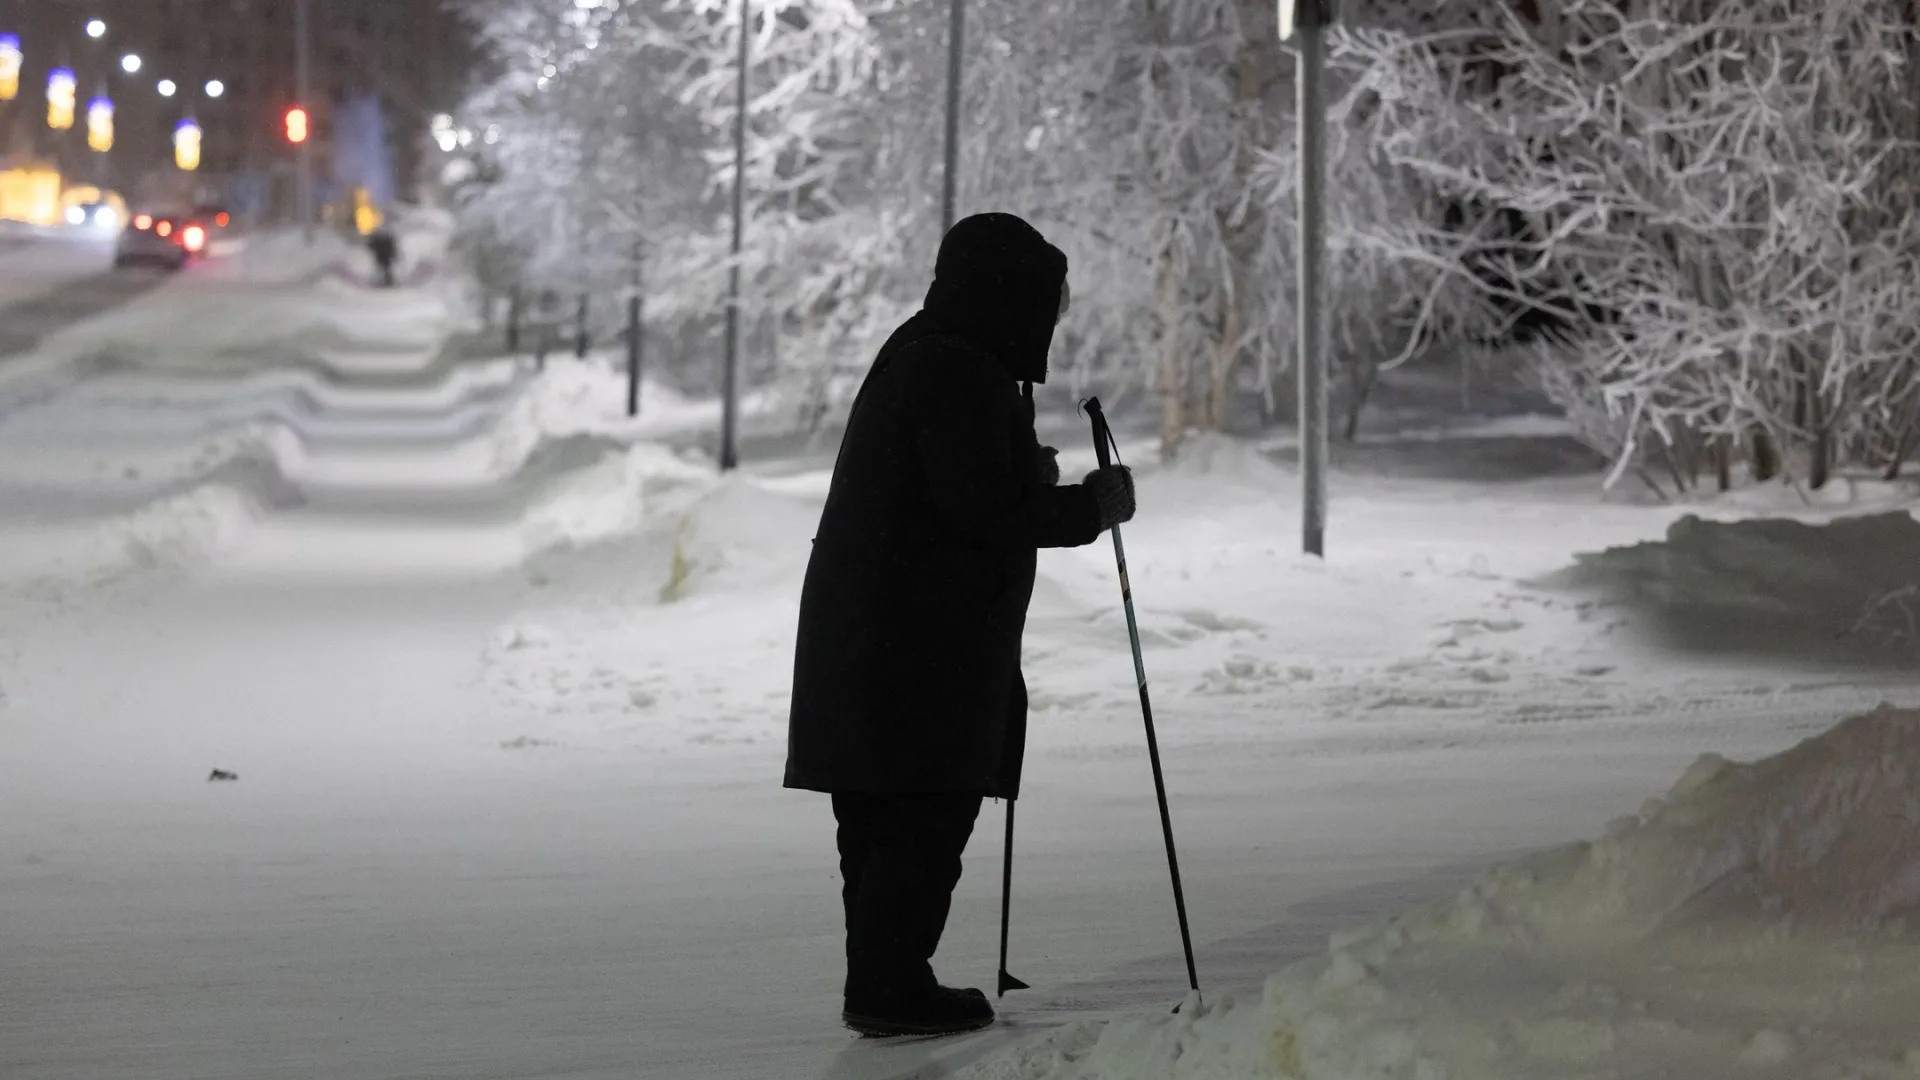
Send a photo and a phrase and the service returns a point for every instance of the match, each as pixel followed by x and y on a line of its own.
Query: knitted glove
pixel 1049 466
pixel 1112 489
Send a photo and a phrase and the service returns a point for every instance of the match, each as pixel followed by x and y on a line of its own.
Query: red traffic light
pixel 296 125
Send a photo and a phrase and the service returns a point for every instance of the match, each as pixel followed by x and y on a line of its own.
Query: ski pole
pixel 1007 982
pixel 1106 449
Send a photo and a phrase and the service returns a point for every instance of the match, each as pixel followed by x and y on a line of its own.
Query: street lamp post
pixel 1308 20
pixel 730 377
pixel 949 187
pixel 302 42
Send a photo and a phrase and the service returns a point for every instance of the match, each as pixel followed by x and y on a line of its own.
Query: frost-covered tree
pixel 1153 139
pixel 1719 195
pixel 587 154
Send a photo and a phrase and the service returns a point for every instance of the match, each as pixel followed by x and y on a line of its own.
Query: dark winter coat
pixel 907 668
pixel 384 247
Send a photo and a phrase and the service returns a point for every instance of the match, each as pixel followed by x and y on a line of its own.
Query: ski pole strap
pixel 1105 447
pixel 1102 435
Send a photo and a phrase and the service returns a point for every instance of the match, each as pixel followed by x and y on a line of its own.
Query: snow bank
pixel 1766 585
pixel 616 497
pixel 673 523
pixel 661 608
pixel 177 532
pixel 173 533
pixel 1224 461
pixel 1755 921
pixel 590 395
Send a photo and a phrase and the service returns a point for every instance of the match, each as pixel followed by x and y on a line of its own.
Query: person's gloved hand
pixel 1112 489
pixel 1049 466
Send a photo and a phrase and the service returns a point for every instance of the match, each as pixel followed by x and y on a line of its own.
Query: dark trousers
pixel 899 862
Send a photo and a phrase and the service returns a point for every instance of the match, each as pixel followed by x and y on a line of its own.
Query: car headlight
pixel 76 215
pixel 106 218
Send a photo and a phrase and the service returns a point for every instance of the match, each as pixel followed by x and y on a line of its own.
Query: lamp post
pixel 303 36
pixel 949 187
pixel 1307 22
pixel 730 377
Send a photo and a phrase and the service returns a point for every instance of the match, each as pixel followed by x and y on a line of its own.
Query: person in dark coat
pixel 386 251
pixel 908 703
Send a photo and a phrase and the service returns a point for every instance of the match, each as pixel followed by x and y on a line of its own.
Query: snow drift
pixel 1758 919
pixel 1761 586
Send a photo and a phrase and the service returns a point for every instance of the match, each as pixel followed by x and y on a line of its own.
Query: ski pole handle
pixel 1102 440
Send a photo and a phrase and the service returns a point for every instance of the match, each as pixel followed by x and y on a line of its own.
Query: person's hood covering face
pixel 999 282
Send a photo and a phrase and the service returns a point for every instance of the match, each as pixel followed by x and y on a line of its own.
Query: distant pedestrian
pixel 386 252
pixel 908 702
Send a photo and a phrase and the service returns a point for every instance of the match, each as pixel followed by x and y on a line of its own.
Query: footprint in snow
pixel 526 742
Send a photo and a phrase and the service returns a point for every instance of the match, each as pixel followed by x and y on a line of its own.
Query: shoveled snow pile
pixel 1768 584
pixel 616 496
pixel 1759 920
pixel 658 594
pixel 173 533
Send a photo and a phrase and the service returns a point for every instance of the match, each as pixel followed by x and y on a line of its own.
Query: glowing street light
pixel 100 125
pixel 130 63
pixel 167 88
pixel 9 66
pixel 96 28
pixel 186 145
pixel 215 88
pixel 60 86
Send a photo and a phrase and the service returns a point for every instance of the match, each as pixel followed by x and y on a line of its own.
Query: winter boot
pixel 941 1010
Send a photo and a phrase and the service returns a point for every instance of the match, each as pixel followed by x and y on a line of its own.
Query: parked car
pixel 167 239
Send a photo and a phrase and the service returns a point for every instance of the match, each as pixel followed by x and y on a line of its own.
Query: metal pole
pixel 956 48
pixel 1007 982
pixel 1103 448
pixel 303 43
pixel 730 380
pixel 1314 17
pixel 580 330
pixel 635 334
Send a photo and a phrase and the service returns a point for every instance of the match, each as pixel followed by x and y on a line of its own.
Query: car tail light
pixel 221 219
pixel 165 228
pixel 194 237
pixel 143 222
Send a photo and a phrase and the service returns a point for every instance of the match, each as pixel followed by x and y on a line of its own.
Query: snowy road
pixel 505 811
pixel 48 281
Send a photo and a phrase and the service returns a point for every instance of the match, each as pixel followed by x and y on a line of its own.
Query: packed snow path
pixel 501 811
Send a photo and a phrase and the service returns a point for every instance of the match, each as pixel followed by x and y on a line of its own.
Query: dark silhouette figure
pixel 386 252
pixel 908 702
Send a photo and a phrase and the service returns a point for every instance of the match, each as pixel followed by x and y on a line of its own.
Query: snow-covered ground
pixel 502 676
